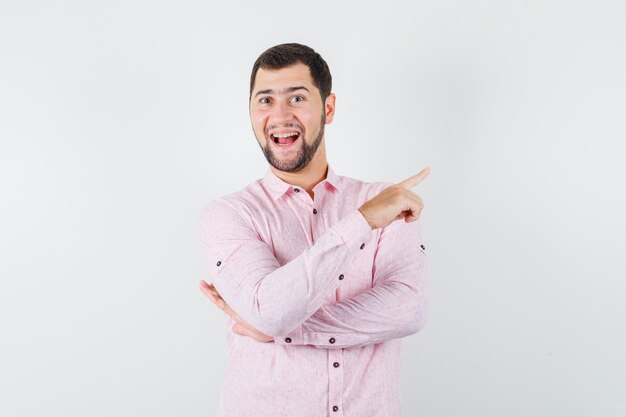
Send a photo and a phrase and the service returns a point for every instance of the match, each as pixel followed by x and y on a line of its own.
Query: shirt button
pixel 297 190
pixel 335 408
pixel 362 245
pixel 336 364
pixel 288 340
pixel 340 277
pixel 219 263
pixel 314 211
pixel 331 340
pixel 423 247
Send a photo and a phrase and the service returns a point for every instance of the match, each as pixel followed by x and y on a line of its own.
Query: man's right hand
pixel 395 202
pixel 241 327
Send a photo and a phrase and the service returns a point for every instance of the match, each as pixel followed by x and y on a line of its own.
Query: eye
pixel 264 100
pixel 296 99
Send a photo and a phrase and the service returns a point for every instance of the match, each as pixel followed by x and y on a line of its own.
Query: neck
pixel 314 173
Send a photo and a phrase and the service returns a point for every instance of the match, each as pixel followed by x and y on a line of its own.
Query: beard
pixel 303 156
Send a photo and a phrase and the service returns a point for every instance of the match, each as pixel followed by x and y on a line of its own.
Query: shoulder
pixel 235 207
pixel 365 189
pixel 243 200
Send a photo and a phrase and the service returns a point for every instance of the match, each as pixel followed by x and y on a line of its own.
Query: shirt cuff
pixel 293 338
pixel 323 340
pixel 355 232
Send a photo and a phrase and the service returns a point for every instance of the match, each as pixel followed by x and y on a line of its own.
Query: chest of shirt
pixel 294 226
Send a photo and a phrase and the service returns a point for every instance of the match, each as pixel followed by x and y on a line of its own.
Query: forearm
pixel 389 311
pixel 396 306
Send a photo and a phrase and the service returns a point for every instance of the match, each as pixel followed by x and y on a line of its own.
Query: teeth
pixel 285 135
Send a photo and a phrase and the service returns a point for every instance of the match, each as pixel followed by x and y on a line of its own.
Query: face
pixel 288 116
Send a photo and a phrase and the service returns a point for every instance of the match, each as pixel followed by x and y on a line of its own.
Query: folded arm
pixel 275 299
pixel 396 305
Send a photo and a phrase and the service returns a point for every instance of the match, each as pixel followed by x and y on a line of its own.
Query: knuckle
pixel 398 194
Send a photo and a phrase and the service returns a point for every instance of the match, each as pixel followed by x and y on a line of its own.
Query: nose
pixel 281 114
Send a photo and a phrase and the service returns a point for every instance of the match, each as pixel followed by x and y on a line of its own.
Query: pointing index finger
pixel 415 179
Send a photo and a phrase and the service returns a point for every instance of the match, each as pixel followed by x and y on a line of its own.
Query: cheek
pixel 310 117
pixel 312 123
pixel 259 123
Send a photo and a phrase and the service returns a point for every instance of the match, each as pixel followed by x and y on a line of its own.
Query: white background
pixel 119 120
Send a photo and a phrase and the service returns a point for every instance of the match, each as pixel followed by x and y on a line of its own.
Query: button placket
pixel 317 221
pixel 335 370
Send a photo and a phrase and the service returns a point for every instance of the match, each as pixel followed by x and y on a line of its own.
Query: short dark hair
pixel 287 54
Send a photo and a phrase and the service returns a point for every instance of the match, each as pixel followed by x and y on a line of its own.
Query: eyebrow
pixel 285 91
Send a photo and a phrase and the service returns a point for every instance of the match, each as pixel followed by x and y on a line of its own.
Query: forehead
pixel 293 75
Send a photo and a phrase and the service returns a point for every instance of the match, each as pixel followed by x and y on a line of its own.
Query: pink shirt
pixel 336 295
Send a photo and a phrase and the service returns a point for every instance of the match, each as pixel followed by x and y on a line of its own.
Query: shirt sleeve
pixel 396 305
pixel 272 298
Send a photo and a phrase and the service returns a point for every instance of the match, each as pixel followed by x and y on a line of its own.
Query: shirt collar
pixel 277 187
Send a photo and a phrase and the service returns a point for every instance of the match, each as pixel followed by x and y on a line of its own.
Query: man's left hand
pixel 241 327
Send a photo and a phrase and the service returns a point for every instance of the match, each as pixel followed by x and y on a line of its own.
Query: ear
pixel 329 108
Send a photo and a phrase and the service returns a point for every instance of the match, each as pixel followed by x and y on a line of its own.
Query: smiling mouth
pixel 285 139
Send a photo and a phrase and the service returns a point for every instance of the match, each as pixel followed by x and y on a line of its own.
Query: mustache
pixel 284 126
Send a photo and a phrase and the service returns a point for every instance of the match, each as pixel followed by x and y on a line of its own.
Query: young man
pixel 319 279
